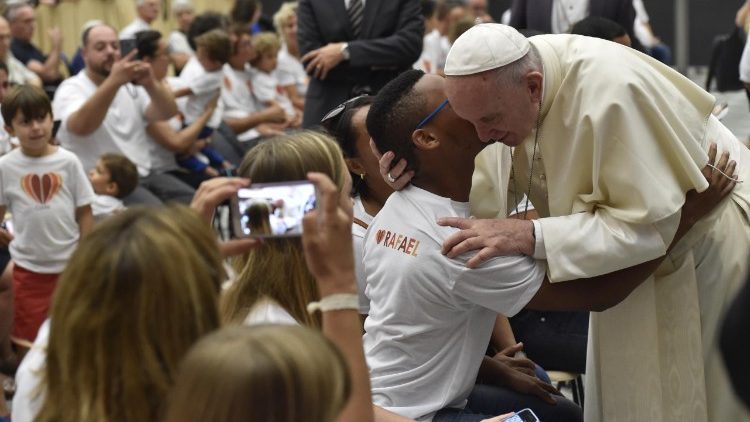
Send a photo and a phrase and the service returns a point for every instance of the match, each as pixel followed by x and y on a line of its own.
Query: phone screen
pixel 525 415
pixel 272 209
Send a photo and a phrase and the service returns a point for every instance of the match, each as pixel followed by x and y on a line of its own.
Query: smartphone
pixel 525 415
pixel 271 209
pixel 126 46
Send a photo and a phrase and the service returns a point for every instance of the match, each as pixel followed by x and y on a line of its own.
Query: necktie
pixel 355 16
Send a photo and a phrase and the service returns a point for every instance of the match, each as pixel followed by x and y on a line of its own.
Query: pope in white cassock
pixel 608 141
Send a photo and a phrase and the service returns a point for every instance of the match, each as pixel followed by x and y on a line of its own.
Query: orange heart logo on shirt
pixel 379 236
pixel 41 188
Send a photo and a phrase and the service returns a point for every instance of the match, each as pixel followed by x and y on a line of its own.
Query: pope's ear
pixel 424 140
pixel 534 85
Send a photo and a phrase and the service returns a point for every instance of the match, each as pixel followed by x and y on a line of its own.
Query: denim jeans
pixel 486 401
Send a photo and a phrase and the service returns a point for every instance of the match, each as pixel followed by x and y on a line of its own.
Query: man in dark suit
pixel 352 47
pixel 538 14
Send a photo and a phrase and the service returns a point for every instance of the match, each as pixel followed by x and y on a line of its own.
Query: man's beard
pixel 101 70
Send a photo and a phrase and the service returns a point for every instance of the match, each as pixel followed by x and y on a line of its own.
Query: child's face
pixel 204 59
pixel 267 62
pixel 101 180
pixel 34 135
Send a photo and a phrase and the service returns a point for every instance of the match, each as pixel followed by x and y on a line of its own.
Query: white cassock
pixel 623 138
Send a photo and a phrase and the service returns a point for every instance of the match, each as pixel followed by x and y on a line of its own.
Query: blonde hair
pixel 266 43
pixel 139 290
pixel 286 11
pixel 277 269
pixel 264 374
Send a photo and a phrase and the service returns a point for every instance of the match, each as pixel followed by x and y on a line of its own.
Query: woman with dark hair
pixel 346 124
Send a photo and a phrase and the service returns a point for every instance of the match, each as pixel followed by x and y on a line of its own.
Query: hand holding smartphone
pixel 270 210
pixel 525 415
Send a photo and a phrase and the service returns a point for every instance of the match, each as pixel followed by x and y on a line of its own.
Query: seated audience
pixel 136 295
pixel 422 300
pixel 266 87
pixel 18 74
pixel 76 64
pixel 290 72
pixel 102 110
pixel 22 22
pixel 643 31
pixel 113 178
pixel 248 119
pixel 179 48
pixel 213 51
pixel 147 11
pixel 49 197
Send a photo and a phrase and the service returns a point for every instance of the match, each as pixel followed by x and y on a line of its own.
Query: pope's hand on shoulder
pixel 492 237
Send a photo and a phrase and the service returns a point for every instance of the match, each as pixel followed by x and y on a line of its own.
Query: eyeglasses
pixel 340 108
pixel 432 115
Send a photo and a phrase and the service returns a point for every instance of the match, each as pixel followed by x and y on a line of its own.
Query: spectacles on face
pixel 432 115
pixel 340 109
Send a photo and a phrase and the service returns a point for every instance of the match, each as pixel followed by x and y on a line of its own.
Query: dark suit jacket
pixel 389 43
pixel 537 14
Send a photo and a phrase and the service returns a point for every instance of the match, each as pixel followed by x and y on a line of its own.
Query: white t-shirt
pixel 18 73
pixel 178 43
pixel 238 99
pixel 434 52
pixel 745 63
pixel 205 87
pixel 291 72
pixel 267 311
pixel 358 238
pixel 134 27
pixel 105 206
pixel 42 194
pixel 565 13
pixel 28 400
pixel 431 317
pixel 123 130
pixel 266 88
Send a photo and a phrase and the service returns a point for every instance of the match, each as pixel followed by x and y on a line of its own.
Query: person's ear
pixel 534 85
pixel 424 140
pixel 354 165
pixel 111 189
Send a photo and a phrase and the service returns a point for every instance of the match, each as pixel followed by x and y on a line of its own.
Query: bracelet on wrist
pixel 335 302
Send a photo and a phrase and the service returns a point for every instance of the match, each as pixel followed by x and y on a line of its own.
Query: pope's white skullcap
pixel 484 47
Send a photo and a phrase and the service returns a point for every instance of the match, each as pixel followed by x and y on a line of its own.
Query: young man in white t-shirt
pixel 102 111
pixel 431 317
pixel 47 192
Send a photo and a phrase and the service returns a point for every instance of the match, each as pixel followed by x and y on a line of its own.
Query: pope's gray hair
pixel 514 73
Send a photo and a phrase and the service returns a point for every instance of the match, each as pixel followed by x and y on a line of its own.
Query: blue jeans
pixel 487 401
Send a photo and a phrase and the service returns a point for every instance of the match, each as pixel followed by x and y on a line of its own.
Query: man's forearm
pixel 90 116
pixel 52 65
pixel 243 124
pixel 163 105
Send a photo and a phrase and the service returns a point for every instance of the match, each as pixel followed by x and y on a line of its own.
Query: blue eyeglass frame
pixel 432 115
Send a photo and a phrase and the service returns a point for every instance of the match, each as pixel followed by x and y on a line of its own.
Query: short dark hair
pixel 598 27
pixel 30 100
pixel 205 22
pixel 343 131
pixel 122 172
pixel 395 114
pixel 243 11
pixel 147 43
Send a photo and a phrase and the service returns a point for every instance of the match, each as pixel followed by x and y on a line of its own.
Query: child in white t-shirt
pixel 46 190
pixel 266 86
pixel 213 50
pixel 113 178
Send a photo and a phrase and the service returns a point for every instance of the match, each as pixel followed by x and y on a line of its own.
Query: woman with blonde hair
pixel 273 284
pixel 244 373
pixel 135 296
pixel 290 72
